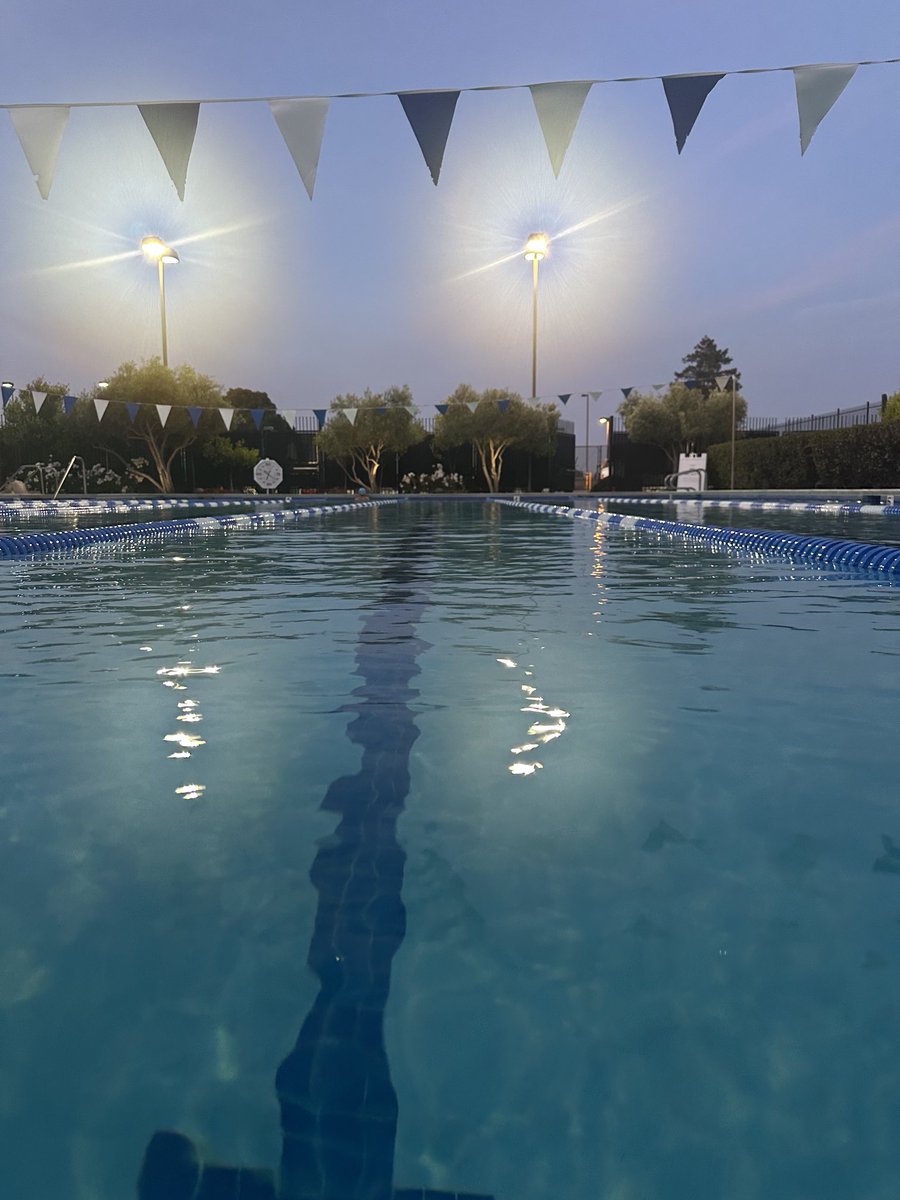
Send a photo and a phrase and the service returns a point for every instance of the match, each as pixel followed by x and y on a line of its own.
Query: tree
pixel 231 456
pixel 149 385
pixel 681 418
pixel 363 428
pixel 892 408
pixel 493 421
pixel 704 363
pixel 243 401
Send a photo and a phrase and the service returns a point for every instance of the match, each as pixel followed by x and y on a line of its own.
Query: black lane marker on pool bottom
pixel 338 1105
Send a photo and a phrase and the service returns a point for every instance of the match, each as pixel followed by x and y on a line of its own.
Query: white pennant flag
pixel 290 416
pixel 302 125
pixel 721 381
pixel 40 132
pixel 558 106
pixel 227 416
pixel 472 404
pixel 817 90
pixel 163 411
pixel 100 407
pixel 596 395
pixel 350 414
pixel 38 398
pixel 172 127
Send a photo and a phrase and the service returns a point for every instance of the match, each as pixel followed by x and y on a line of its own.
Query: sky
pixel 790 262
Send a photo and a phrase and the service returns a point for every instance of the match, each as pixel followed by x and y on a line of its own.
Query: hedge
pixel 861 456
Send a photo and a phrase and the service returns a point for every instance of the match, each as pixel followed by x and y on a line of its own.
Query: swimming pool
pixel 615 819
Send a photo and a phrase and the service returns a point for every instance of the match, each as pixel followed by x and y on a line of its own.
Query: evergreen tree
pixel 704 363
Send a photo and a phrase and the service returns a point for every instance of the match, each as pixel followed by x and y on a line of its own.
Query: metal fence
pixel 841 418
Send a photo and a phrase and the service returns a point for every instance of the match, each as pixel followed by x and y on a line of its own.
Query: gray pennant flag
pixel 302 125
pixel 558 107
pixel 40 132
pixel 685 95
pixel 817 90
pixel 172 127
pixel 430 115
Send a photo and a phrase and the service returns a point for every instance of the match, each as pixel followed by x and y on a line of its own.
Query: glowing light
pixel 190 717
pixel 506 662
pixel 157 250
pixel 523 748
pixel 536 247
pixel 184 668
pixel 557 729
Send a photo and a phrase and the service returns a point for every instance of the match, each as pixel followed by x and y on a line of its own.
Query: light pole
pixel 158 251
pixel 732 375
pixel 535 250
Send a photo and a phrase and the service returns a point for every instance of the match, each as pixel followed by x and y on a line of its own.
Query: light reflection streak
pixel 548 730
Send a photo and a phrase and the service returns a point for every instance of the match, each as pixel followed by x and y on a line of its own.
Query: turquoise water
pixel 663 962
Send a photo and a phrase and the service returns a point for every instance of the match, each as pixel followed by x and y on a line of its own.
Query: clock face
pixel 268 473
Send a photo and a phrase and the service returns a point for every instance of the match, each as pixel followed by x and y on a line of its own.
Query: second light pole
pixel 535 250
pixel 158 251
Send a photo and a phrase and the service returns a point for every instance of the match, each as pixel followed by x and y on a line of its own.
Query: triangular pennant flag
pixel 196 411
pixel 100 407
pixel 626 392
pixel 381 409
pixel 40 132
pixel 162 411
pixel 133 410
pixel 595 395
pixel 817 90
pixel 6 390
pixel 471 405
pixel 302 125
pixel 350 414
pixel 558 107
pixel 320 414
pixel 685 95
pixel 289 416
pixel 564 398
pixel 38 398
pixel 657 387
pixel 257 415
pixel 68 404
pixel 442 408
pixel 721 381
pixel 690 384
pixel 430 115
pixel 227 415
pixel 172 127
pixel 502 405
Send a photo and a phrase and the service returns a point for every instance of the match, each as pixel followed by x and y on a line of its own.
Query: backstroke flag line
pixel 301 119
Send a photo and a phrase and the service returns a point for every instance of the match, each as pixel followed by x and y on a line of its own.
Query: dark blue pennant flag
pixel 68 404
pixel 442 408
pixel 195 410
pixel 565 397
pixel 686 94
pixel 626 392
pixel 320 414
pixel 7 390
pixel 503 405
pixel 430 114
pixel 133 410
pixel 257 415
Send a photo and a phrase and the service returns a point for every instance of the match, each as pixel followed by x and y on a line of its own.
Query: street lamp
pixel 156 250
pixel 732 376
pixel 535 249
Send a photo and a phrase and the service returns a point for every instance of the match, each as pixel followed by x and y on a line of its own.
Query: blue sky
pixel 792 263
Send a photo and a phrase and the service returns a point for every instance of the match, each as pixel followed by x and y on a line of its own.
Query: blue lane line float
pixel 818 551
pixel 24 545
pixel 25 508
pixel 829 508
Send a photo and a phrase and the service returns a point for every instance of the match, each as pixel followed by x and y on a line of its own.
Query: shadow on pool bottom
pixel 173 1170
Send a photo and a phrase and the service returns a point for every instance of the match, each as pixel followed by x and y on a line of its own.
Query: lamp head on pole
pixel 536 247
pixel 157 250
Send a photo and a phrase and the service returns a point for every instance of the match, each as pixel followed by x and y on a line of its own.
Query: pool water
pixel 487 852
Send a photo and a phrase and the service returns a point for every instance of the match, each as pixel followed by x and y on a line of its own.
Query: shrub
pixel 858 457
